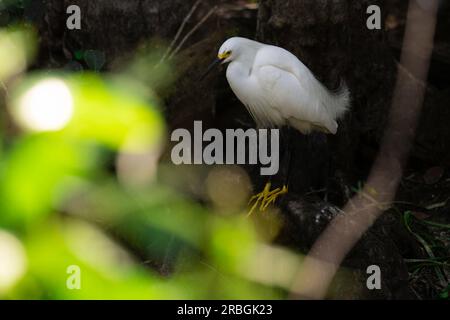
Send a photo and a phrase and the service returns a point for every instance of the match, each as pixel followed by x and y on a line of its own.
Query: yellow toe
pixel 266 198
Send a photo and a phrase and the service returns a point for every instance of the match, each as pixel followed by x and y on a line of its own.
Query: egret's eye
pixel 224 55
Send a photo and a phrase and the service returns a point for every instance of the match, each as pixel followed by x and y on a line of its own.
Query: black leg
pixel 285 156
pixel 278 184
pixel 288 155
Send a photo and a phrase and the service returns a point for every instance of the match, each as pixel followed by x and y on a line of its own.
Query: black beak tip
pixel 211 67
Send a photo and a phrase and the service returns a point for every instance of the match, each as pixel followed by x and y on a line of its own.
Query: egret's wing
pixel 256 103
pixel 284 60
pixel 282 91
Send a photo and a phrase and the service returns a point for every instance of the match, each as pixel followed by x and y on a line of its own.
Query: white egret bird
pixel 278 89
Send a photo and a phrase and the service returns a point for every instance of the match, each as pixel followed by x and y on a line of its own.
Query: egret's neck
pixel 243 64
pixel 238 76
pixel 238 70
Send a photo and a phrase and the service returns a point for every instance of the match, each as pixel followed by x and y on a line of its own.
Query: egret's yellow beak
pixel 223 56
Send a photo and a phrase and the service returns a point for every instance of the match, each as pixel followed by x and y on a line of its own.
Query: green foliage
pixel 432 247
pixel 68 199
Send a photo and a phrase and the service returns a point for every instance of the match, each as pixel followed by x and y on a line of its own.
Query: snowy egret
pixel 278 89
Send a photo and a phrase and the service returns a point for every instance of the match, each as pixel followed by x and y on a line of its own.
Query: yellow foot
pixel 265 198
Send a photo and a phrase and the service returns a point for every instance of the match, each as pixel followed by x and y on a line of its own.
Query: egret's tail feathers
pixel 339 102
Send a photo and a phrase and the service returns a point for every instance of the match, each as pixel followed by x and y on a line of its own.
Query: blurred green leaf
pixel 31 173
pixel 107 114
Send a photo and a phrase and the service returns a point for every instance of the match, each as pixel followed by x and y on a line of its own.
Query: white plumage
pixel 278 89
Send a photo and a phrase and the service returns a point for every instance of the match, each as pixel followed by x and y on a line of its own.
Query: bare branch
pixel 180 29
pixel 190 33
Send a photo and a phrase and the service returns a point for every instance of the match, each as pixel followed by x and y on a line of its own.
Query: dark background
pixel 331 38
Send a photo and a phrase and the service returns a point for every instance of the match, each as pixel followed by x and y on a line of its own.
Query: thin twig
pixel 192 31
pixel 180 29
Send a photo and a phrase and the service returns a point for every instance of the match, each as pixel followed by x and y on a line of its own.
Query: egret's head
pixel 228 50
pixel 233 49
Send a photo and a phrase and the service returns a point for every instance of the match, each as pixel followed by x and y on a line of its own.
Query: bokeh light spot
pixel 12 261
pixel 228 188
pixel 47 106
